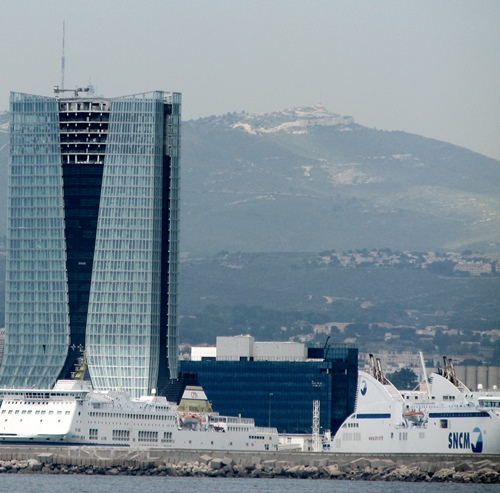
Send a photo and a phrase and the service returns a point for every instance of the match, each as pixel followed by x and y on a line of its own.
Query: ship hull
pixel 69 415
pixel 450 421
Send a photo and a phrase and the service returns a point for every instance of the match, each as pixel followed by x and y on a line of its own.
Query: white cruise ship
pixel 72 413
pixel 445 418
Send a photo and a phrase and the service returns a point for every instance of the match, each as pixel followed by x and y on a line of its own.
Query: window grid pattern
pixel 281 393
pixel 83 127
pixel 130 327
pixel 173 139
pixel 123 322
pixel 36 308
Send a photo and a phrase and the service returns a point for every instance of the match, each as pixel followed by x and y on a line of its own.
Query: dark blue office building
pixel 281 393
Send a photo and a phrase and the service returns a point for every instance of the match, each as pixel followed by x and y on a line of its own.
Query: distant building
pixel 197 353
pixel 296 442
pixel 393 360
pixel 473 268
pixel 475 377
pixel 92 247
pixel 276 382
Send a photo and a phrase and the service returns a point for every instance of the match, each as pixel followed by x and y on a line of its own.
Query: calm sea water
pixel 41 483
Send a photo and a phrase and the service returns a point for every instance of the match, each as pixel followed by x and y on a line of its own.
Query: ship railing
pixel 264 429
pixel 243 421
pixel 231 420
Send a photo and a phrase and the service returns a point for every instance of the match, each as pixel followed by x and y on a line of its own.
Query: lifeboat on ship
pixel 190 419
pixel 414 416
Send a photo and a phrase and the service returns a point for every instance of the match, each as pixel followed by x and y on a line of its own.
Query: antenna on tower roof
pixel 62 57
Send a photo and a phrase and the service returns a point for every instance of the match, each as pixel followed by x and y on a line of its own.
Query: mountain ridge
pixel 325 173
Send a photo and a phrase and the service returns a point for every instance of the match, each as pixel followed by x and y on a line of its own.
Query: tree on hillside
pixel 443 267
pixel 495 359
pixel 471 362
pixel 404 379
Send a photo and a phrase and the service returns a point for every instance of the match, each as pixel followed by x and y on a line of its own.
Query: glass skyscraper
pixel 92 249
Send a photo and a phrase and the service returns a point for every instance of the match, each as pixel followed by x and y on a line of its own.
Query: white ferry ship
pixel 72 413
pixel 444 418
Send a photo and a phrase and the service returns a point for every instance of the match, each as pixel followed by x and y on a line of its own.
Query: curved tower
pixel 93 240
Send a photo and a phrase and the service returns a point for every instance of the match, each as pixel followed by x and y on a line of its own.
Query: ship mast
pixel 425 374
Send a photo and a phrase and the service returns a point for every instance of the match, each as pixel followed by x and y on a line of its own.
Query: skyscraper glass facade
pixel 36 304
pixel 93 240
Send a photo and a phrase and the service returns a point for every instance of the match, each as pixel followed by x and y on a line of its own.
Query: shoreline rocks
pixel 359 469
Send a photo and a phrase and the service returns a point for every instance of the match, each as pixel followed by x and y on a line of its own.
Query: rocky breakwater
pixel 246 466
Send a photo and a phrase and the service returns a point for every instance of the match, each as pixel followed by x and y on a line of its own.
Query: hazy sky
pixel 430 67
